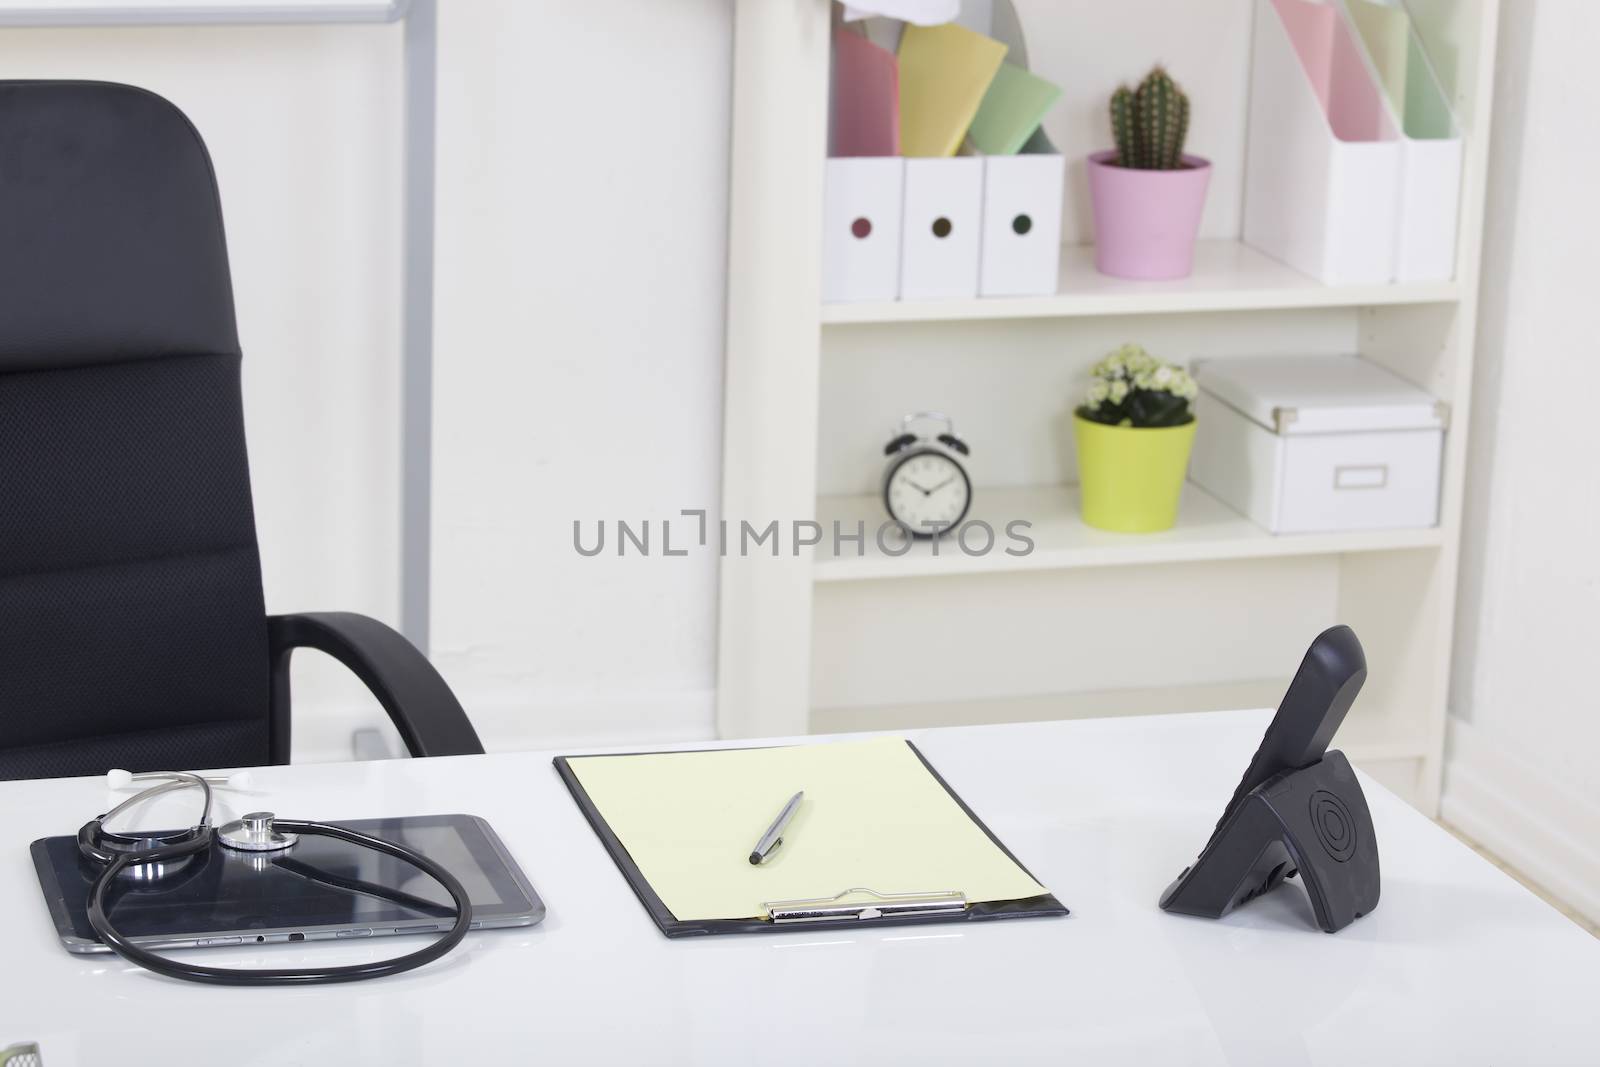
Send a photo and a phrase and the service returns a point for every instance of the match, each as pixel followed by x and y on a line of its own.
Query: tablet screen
pixel 320 884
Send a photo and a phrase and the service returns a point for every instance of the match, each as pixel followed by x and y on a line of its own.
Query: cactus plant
pixel 1150 123
pixel 1122 125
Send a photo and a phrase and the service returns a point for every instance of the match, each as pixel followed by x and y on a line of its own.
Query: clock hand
pixel 938 487
pixel 918 488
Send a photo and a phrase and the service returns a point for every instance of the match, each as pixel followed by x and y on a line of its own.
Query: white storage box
pixel 944 206
pixel 862 206
pixel 1313 444
pixel 1022 194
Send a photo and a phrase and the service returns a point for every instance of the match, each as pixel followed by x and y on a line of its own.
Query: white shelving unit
pixel 1212 614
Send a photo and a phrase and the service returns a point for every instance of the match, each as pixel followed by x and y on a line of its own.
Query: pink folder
pixel 1332 60
pixel 865 118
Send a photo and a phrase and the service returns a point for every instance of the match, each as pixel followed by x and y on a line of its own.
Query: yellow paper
pixel 873 817
pixel 1387 33
pixel 944 72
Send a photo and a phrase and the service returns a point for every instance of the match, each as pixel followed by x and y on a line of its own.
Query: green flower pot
pixel 1131 477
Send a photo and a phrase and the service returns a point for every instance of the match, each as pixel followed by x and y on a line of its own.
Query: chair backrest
pixel 132 628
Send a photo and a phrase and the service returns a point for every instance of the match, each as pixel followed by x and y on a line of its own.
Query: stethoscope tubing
pixel 100 920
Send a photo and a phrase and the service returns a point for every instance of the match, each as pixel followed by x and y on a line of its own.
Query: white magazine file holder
pixel 1430 136
pixel 1325 162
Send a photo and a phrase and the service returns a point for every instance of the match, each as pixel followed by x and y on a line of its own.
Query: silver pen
pixel 774 836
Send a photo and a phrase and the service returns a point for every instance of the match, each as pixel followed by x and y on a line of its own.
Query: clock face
pixel 927 491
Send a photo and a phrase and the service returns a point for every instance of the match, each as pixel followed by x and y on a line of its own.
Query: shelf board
pixel 1207 529
pixel 1228 276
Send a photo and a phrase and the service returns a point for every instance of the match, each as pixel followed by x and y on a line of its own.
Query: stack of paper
pixel 947 84
pixel 925 12
pixel 873 816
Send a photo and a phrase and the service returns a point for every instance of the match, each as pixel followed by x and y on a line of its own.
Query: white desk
pixel 1458 964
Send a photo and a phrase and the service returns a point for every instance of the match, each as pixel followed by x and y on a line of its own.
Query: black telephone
pixel 1298 809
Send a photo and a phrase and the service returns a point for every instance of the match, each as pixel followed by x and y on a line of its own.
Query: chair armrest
pixel 424 710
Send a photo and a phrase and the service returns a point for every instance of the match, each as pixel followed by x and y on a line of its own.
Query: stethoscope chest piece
pixel 254 832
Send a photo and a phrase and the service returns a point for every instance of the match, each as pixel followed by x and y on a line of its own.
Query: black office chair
pixel 132 628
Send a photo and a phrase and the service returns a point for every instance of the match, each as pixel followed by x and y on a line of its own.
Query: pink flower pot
pixel 1145 221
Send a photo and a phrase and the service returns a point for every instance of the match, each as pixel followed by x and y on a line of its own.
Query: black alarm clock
pixel 925 488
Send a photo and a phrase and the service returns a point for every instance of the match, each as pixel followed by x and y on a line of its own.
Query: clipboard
pixel 852 906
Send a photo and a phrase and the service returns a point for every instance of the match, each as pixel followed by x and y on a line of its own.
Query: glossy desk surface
pixel 1458 964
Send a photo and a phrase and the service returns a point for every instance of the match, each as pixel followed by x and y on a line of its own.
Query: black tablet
pixel 318 889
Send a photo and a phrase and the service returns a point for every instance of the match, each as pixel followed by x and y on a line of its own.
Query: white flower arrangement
pixel 1130 387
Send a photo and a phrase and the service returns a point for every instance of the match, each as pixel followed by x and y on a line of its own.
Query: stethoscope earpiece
pixel 119 779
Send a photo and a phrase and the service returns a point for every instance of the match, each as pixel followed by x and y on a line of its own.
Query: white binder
pixel 861 215
pixel 943 211
pixel 1021 247
pixel 1325 163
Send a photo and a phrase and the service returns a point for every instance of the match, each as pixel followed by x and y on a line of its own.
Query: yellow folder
pixel 944 72
pixel 1387 33
pixel 874 816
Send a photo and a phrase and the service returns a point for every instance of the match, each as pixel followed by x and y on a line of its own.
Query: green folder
pixel 1403 69
pixel 1011 111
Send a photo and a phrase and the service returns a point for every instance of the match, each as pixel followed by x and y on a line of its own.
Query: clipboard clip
pixel 881 906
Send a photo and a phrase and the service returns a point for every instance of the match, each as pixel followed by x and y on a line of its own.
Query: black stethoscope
pixel 150 858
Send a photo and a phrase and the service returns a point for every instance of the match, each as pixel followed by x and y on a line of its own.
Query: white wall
pixel 582 197
pixel 582 202
pixel 304 127
pixel 1522 775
